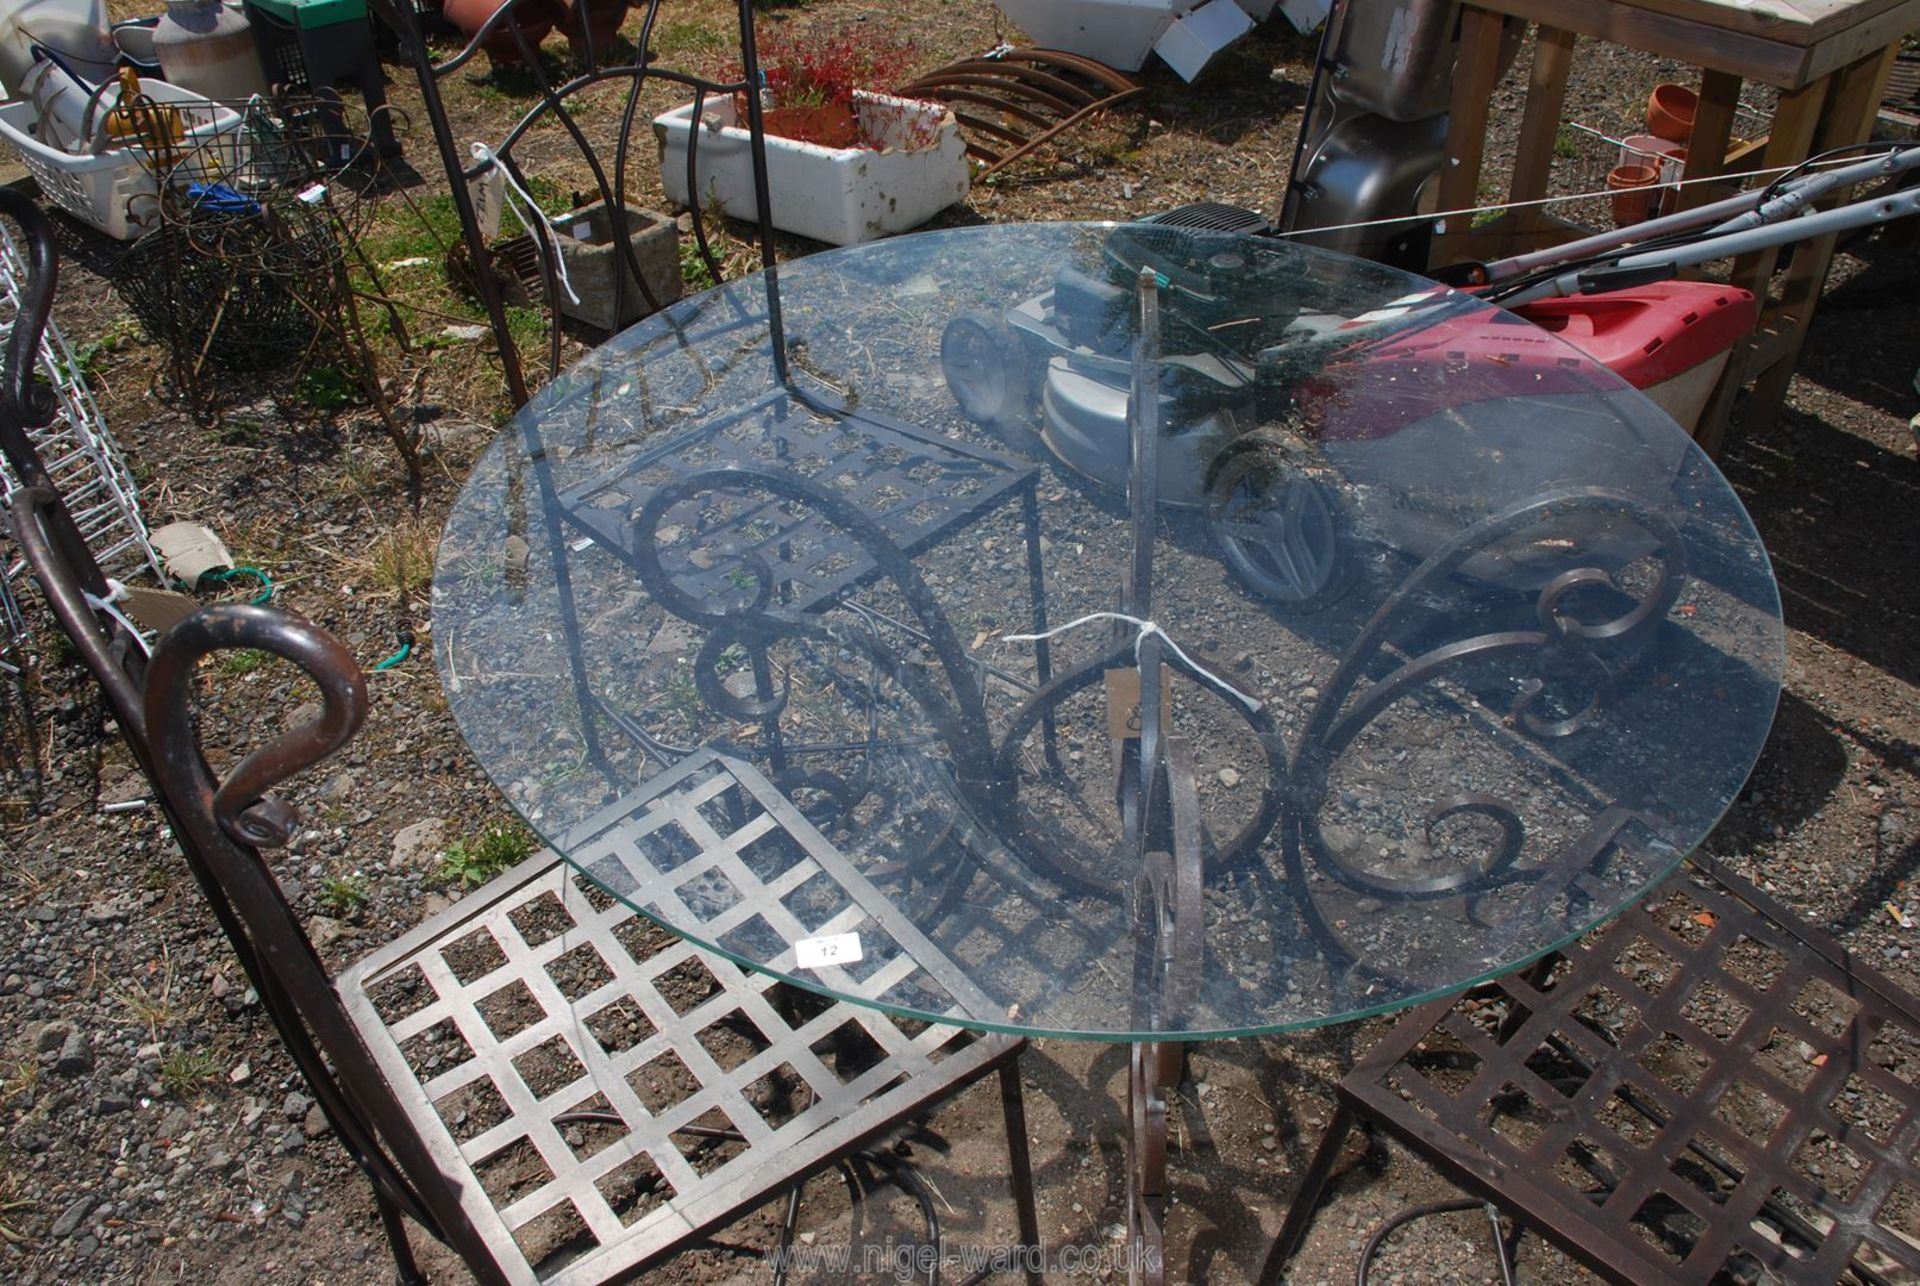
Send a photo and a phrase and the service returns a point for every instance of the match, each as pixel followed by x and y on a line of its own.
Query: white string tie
pixel 1144 628
pixel 532 215
pixel 115 592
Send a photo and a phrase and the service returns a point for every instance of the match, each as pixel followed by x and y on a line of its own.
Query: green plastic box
pixel 309 14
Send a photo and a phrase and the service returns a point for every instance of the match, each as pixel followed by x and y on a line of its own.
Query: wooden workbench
pixel 1828 58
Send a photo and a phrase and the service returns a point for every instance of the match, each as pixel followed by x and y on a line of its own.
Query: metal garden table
pixel 855 569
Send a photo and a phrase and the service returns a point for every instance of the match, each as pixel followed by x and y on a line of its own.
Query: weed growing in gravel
pixel 186 1070
pixel 11 1201
pixel 89 355
pixel 693 266
pixel 329 388
pixel 342 895
pixel 683 697
pixel 20 1080
pixel 240 661
pixel 499 847
pixel 151 1007
pixel 401 559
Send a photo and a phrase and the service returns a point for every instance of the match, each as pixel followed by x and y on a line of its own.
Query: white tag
pixel 314 194
pixel 1378 314
pixel 581 231
pixel 834 949
pixel 488 192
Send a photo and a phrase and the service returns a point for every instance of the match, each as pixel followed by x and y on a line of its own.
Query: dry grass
pixel 11 1202
pixel 152 1004
pixel 23 883
pixel 21 1078
pixel 399 561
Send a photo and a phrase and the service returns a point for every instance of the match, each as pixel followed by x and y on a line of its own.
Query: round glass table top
pixel 1461 643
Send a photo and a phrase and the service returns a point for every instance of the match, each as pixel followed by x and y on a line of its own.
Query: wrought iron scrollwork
pixel 750 627
pixel 1059 861
pixel 1587 658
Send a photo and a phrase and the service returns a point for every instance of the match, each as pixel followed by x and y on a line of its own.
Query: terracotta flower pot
pixel 602 21
pixel 1670 112
pixel 1647 149
pixel 1633 189
pixel 1664 155
pixel 536 19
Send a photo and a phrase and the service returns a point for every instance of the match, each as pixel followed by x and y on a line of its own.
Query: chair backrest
pixel 517 26
pixel 220 825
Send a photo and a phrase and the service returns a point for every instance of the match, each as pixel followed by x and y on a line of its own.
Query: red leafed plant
pixel 811 74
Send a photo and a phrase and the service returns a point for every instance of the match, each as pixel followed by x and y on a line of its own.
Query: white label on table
pixel 834 949
pixel 1379 314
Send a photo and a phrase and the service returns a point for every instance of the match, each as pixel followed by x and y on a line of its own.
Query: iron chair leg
pixel 396 1230
pixel 1300 1214
pixel 1020 1166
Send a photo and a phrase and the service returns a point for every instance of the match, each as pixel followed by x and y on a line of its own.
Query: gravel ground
pixel 151 1130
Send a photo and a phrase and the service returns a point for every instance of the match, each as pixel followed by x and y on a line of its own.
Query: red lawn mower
pixel 1302 430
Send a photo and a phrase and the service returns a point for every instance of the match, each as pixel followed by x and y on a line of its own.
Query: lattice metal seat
pixel 1706 1090
pixel 601 1091
pixel 920 488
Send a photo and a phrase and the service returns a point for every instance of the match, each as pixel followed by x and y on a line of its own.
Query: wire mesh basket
pixel 255 227
pixel 1585 154
pixel 1584 158
pixel 208 311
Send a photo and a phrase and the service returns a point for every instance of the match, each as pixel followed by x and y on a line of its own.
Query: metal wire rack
pixel 13 628
pixel 81 456
pixel 1584 154
pixel 243 272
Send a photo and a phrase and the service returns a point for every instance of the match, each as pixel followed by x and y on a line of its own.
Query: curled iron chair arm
pixel 238 804
pixel 223 824
pixel 23 403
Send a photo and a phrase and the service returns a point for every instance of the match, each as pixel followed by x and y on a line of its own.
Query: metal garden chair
pixel 879 456
pixel 499 1073
pixel 517 25
pixel 1707 1090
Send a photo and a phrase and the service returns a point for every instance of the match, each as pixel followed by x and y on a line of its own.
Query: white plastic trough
pixel 837 195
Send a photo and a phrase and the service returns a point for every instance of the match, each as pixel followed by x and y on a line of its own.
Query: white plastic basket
pixel 112 191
